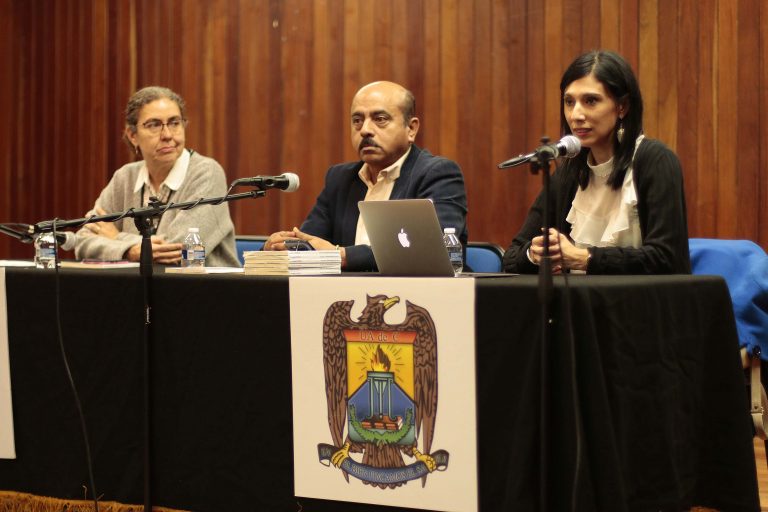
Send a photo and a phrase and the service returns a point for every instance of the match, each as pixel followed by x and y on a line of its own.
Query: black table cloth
pixel 660 391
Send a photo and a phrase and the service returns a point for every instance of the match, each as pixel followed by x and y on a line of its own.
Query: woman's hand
pixel 162 252
pixel 536 251
pixel 562 252
pixel 572 257
pixel 105 229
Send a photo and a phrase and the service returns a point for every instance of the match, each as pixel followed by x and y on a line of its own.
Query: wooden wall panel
pixel 666 104
pixel 762 139
pixel 610 15
pixel 748 116
pixel 552 26
pixel 700 165
pixel 254 109
pixel 688 78
pixel 534 95
pixel 268 85
pixel 726 115
pixel 7 124
pixel 629 29
pixel 504 114
pixel 648 61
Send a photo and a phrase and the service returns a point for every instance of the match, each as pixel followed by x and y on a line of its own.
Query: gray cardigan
pixel 204 179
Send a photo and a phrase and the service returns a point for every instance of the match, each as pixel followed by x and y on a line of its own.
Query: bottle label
pixel 193 256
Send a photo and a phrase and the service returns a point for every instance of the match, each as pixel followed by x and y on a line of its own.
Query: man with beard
pixel 391 166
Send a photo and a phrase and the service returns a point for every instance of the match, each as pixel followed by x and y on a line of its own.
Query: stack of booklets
pixel 292 263
pixel 100 264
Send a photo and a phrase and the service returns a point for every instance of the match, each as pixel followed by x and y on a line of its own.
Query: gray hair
pixel 148 95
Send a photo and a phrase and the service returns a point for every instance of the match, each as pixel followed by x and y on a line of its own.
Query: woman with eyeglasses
pixel 155 124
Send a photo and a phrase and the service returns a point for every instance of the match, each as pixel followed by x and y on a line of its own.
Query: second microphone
pixel 287 182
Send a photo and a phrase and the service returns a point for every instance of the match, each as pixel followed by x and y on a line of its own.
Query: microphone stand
pixel 142 218
pixel 541 163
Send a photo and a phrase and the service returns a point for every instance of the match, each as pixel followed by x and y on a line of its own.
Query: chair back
pixel 744 266
pixel 484 257
pixel 248 243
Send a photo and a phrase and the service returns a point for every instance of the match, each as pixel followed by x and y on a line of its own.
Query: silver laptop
pixel 406 237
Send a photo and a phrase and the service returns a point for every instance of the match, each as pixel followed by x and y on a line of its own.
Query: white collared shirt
pixel 171 183
pixel 379 191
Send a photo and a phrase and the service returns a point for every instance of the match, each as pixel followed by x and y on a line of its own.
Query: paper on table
pixel 100 264
pixel 16 263
pixel 203 270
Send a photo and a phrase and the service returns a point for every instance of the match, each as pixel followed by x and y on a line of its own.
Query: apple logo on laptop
pixel 402 236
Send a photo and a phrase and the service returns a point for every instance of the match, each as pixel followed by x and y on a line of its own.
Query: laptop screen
pixel 406 238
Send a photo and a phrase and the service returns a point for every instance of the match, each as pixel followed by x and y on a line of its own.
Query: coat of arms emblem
pixel 381 388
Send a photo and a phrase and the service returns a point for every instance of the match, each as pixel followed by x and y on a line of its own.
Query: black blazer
pixel 423 176
pixel 658 180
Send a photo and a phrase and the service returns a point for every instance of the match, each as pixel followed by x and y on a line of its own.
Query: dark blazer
pixel 658 180
pixel 423 176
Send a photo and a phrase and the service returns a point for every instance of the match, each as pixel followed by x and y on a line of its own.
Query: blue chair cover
pixel 744 265
pixel 248 243
pixel 484 257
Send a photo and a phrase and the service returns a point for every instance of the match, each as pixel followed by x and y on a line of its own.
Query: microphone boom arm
pixel 155 209
pixel 518 160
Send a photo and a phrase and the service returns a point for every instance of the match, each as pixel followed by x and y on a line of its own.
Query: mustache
pixel 367 142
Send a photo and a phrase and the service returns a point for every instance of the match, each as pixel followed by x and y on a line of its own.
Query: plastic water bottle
pixel 45 251
pixel 193 252
pixel 454 249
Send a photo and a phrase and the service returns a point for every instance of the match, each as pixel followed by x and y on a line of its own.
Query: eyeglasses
pixel 155 126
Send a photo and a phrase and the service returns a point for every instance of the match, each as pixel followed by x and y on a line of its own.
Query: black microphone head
pixel 288 181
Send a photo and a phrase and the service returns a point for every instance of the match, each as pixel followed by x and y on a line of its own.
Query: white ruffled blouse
pixel 603 217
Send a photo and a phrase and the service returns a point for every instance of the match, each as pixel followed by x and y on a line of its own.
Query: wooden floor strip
pixel 21 502
pixel 9 501
pixel 762 473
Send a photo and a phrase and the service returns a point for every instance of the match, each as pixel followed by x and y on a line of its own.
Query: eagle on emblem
pixel 390 408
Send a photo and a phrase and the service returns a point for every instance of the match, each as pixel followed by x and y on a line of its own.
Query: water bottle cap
pixel 449 231
pixel 194 230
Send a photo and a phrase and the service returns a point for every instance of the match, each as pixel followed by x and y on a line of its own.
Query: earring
pixel 136 150
pixel 620 131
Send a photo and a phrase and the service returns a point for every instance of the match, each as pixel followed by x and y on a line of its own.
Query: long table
pixel 661 393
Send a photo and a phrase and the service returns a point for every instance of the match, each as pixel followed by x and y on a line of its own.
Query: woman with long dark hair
pixel 618 207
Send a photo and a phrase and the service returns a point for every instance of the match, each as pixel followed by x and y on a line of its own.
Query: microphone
pixel 65 239
pixel 568 147
pixel 288 182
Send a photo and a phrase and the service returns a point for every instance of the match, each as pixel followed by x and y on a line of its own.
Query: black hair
pixel 408 107
pixel 616 75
